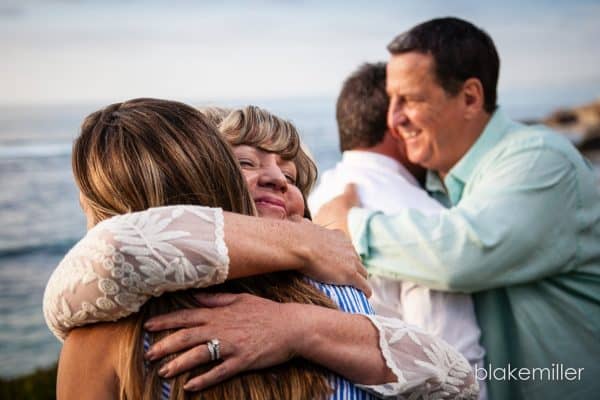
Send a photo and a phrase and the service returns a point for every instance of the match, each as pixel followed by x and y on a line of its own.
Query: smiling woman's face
pixel 271 181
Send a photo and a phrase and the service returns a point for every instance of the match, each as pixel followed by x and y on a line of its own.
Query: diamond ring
pixel 214 349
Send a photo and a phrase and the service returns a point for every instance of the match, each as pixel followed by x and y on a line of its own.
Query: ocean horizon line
pixel 59 103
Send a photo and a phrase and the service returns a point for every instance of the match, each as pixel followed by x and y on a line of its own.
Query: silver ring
pixel 214 349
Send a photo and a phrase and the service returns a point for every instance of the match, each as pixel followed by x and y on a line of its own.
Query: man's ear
pixel 392 133
pixel 472 97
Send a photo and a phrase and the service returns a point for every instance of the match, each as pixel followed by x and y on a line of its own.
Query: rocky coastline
pixel 580 124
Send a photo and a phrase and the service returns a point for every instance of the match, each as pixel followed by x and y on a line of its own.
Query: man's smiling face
pixel 422 113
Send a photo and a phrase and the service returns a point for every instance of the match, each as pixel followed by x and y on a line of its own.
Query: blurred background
pixel 62 60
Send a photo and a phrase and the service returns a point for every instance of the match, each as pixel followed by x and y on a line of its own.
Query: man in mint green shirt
pixel 522 228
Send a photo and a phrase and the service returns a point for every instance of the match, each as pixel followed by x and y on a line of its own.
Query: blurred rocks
pixel 580 124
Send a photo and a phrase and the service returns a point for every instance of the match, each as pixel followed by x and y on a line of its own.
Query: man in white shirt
pixel 376 162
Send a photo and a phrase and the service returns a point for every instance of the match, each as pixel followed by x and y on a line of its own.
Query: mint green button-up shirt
pixel 522 233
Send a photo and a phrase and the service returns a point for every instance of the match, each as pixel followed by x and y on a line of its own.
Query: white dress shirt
pixel 385 184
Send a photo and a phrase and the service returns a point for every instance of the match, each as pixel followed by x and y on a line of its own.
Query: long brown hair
pixel 146 153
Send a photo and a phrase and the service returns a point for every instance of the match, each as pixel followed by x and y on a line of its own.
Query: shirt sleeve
pixel 124 260
pixel 515 223
pixel 426 367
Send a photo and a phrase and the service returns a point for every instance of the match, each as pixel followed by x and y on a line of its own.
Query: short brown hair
pixel 361 108
pixel 460 51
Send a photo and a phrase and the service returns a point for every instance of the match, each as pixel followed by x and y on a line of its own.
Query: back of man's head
pixel 460 51
pixel 361 108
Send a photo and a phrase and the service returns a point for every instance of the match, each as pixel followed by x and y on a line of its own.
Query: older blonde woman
pixel 348 345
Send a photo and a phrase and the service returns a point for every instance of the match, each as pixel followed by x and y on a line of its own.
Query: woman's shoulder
pixel 102 336
pixel 89 360
pixel 97 344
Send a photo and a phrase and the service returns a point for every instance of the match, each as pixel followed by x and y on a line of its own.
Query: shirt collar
pixel 436 189
pixel 376 160
pixel 492 134
pixel 450 190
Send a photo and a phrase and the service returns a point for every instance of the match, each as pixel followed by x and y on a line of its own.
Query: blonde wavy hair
pixel 146 153
pixel 215 114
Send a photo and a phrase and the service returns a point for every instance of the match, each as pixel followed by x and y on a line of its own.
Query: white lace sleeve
pixel 124 260
pixel 426 367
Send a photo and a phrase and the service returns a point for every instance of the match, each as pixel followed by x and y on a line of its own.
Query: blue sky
pixel 78 51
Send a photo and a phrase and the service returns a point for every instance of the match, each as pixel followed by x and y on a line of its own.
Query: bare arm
pixel 258 246
pixel 345 343
pixel 386 354
pixel 86 366
pixel 123 261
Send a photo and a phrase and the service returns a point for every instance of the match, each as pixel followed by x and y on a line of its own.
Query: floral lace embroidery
pixel 122 261
pixel 426 367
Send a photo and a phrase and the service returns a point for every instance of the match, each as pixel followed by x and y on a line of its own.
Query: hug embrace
pixel 203 276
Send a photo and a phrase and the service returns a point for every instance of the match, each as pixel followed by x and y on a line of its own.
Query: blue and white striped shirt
pixel 350 300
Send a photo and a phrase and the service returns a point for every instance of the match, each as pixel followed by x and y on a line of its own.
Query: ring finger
pixel 189 359
pixel 177 341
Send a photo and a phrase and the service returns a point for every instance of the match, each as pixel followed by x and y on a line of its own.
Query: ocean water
pixel 41 219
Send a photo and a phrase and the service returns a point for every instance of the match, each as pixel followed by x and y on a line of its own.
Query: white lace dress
pixel 124 260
